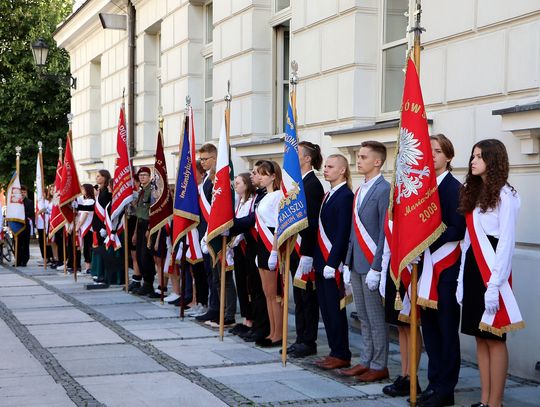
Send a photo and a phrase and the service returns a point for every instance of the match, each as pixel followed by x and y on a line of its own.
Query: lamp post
pixel 40 52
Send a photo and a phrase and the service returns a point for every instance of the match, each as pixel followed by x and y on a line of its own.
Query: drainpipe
pixel 131 77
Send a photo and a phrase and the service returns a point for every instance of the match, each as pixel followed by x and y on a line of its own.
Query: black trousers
pixel 201 283
pixel 261 323
pixel 48 248
pixel 59 240
pixel 335 320
pixel 213 298
pixel 144 254
pixel 440 329
pixel 69 249
pixel 87 247
pixel 306 309
pixel 23 246
pixel 241 278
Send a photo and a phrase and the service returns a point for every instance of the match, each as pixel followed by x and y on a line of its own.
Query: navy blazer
pixel 455 222
pixel 336 218
pixel 314 196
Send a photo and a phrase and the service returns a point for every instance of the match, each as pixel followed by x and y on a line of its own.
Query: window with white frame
pixel 281 64
pixel 394 49
pixel 281 5
pixel 208 99
pixel 208 23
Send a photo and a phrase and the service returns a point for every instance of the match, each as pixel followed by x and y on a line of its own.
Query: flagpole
pixel 17 167
pixel 290 241
pixel 40 145
pixel 228 99
pixel 415 12
pixel 73 233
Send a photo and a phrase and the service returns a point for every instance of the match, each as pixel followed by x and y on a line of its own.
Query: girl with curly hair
pixel 490 206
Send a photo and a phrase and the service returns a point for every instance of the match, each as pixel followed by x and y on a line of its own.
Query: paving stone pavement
pixel 63 345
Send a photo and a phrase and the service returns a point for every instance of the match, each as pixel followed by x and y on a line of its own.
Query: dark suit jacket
pixel 455 222
pixel 103 198
pixel 207 188
pixel 314 195
pixel 245 223
pixel 336 215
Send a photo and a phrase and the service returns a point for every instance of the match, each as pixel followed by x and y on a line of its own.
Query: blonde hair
pixel 345 164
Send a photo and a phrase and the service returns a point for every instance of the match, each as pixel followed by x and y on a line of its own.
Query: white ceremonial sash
pixel 508 317
pixel 365 241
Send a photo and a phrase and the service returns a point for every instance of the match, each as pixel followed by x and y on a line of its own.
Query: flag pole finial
pixel 60 145
pixel 228 96
pixel 160 117
pixel 18 151
pixel 40 145
pixel 294 73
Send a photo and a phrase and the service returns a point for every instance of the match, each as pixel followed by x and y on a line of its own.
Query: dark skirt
pixel 390 313
pixel 262 253
pixel 473 297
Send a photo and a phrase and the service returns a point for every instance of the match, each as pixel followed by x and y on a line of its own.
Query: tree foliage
pixel 32 108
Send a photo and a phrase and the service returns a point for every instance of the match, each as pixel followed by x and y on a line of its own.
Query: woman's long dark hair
pixel 88 191
pixel 486 195
pixel 250 188
pixel 107 175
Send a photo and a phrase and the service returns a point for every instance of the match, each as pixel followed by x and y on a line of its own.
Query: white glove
pixel 491 298
pixel 416 260
pixel 102 232
pixel 230 256
pixel 459 292
pixel 346 275
pixel 306 264
pixel 257 261
pixel 204 246
pixel 329 272
pixel 272 260
pixel 237 240
pixel 180 249
pixel 298 275
pixel 225 233
pixel 382 287
pixel 373 278
pixel 74 204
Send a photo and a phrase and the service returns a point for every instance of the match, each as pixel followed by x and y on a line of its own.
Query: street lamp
pixel 40 51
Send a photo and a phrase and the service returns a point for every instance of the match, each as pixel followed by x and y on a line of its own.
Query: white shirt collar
pixel 441 177
pixel 334 189
pixel 304 176
pixel 368 184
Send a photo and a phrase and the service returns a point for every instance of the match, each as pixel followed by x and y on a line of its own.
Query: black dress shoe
pixel 134 285
pixel 480 405
pixel 244 335
pixel 302 350
pixel 206 317
pixel 290 348
pixel 424 396
pixel 268 343
pixel 437 400
pixel 401 387
pixel 146 289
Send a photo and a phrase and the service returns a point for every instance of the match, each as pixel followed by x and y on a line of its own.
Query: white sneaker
pixel 60 267
pixel 171 297
pixel 202 310
pixel 194 310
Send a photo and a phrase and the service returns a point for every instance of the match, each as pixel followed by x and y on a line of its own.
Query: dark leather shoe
pixel 302 350
pixel 424 396
pixel 335 363
pixel 373 375
pixel 480 405
pixel 354 371
pixel 291 348
pixel 322 361
pixel 264 342
pixel 144 290
pixel 206 317
pixel 437 400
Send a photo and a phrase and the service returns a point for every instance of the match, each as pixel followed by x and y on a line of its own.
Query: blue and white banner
pixel 15 206
pixel 292 209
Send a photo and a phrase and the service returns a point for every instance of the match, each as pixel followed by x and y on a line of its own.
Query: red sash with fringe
pixel 204 204
pixel 508 317
pixel 433 265
pixel 326 247
pixel 365 241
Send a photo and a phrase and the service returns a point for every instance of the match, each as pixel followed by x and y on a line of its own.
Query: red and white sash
pixel 365 241
pixel 112 239
pixel 508 317
pixel 203 202
pixel 99 211
pixel 433 265
pixel 325 245
pixel 194 253
pixel 264 233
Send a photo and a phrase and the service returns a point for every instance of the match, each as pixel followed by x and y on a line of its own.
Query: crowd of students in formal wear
pixel 343 248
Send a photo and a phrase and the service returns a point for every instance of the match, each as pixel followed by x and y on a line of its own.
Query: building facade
pixel 480 73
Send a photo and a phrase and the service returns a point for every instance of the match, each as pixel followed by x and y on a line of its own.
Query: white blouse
pixel 499 222
pixel 268 208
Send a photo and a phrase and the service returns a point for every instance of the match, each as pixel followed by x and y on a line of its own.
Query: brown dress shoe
pixel 322 361
pixel 373 375
pixel 335 363
pixel 354 371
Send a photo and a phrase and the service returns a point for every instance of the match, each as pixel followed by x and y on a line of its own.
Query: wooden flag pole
pixel 183 268
pixel 74 243
pixel 17 167
pixel 415 12
pixel 126 253
pixel 64 249
pixel 285 333
pixel 224 238
pixel 40 145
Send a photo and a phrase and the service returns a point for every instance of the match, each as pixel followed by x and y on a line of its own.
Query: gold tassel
pixel 398 305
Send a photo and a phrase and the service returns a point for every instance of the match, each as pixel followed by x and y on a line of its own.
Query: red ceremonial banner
pixel 57 219
pixel 414 207
pixel 71 188
pixel 162 208
pixel 123 186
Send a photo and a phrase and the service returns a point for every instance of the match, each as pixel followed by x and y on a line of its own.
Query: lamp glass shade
pixel 40 51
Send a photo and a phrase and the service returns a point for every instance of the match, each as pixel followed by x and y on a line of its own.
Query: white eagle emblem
pixel 408 179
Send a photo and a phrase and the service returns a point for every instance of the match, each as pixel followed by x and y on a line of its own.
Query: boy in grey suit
pixel 364 262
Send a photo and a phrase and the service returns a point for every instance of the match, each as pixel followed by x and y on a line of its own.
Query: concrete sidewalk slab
pixel 143 310
pixel 51 316
pixel 35 301
pixel 102 360
pixel 149 390
pixel 106 297
pixel 76 334
pixel 23 290
pixel 14 280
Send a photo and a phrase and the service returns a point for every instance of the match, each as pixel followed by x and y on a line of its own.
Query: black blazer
pixel 455 222
pixel 314 196
pixel 207 188
pixel 103 198
pixel 245 223
pixel 336 218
